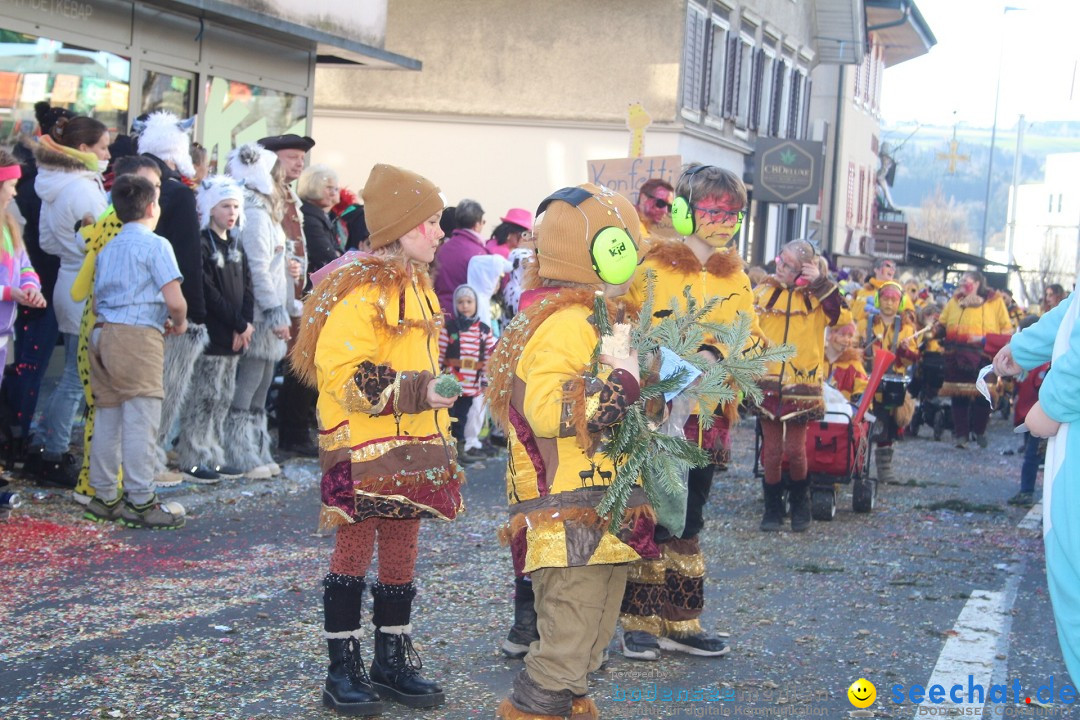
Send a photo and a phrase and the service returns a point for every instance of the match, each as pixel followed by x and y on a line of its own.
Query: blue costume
pixel 1056 336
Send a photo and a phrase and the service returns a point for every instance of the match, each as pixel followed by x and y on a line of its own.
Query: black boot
pixel 799 496
pixel 523 633
pixel 395 671
pixel 773 518
pixel 348 688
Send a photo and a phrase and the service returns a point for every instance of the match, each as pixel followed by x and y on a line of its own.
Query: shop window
pixel 171 91
pixel 238 112
pixel 86 82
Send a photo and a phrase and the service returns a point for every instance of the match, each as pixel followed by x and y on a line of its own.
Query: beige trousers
pixel 576 612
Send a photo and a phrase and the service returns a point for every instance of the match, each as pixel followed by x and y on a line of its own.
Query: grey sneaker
pixel 101 511
pixel 150 515
pixel 700 644
pixel 640 645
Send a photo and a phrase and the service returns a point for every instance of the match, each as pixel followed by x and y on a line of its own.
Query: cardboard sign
pixel 626 175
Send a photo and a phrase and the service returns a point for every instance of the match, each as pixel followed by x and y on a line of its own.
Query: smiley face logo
pixel 862 693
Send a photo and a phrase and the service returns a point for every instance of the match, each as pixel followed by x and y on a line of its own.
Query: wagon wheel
pixel 939 423
pixel 823 503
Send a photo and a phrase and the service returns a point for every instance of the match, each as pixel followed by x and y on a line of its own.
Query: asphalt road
pixel 223 618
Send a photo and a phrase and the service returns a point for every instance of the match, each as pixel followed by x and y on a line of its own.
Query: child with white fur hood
pixel 230 309
pixel 246 440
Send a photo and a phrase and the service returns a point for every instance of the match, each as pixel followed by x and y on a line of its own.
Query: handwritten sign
pixel 626 175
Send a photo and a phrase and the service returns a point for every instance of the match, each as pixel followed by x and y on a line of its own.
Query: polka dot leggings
pixel 398 542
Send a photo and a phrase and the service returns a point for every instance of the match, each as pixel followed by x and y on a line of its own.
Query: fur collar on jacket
pixel 975 299
pixel 49 155
pixel 681 259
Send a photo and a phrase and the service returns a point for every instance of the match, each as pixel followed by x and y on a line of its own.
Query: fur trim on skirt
pixel 202 418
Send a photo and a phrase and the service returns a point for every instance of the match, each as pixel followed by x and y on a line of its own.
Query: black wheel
pixel 863 494
pixel 823 503
pixel 916 423
pixel 939 423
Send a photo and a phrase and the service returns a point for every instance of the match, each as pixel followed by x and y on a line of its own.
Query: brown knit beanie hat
pixel 396 200
pixel 564 238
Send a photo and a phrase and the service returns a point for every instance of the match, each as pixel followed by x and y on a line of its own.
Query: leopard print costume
pixel 97 236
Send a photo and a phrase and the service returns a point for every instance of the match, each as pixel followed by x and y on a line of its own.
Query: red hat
pixel 519 216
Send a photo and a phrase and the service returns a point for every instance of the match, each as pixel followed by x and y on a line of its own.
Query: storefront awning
pixel 330 49
pixel 921 253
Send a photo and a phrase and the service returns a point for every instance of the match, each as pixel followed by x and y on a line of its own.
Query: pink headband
pixel 10 172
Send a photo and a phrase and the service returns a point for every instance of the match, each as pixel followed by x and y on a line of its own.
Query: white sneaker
pixel 81 498
pixel 262 472
pixel 274 468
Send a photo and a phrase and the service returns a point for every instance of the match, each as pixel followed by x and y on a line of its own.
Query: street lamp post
pixel 993 140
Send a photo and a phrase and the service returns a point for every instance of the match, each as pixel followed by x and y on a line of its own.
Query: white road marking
pixel 1033 519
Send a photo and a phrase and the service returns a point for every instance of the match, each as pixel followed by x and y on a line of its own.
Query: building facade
pixel 516 98
pixel 853 222
pixel 246 68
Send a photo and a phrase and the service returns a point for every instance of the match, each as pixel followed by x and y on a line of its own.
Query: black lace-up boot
pixel 348 688
pixel 395 671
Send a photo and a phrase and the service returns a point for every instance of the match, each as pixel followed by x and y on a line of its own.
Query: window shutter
pixel 694 57
pixel 862 196
pixel 731 77
pixel 849 211
pixel 804 130
pixel 756 89
pixel 793 106
pixel 737 88
pixel 777 98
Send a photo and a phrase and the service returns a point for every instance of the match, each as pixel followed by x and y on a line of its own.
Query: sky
pixel 1039 48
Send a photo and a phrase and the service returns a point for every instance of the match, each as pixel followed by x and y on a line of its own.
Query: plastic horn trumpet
pixel 883 360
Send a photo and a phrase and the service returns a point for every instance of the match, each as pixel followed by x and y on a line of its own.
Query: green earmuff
pixel 905 301
pixel 682 208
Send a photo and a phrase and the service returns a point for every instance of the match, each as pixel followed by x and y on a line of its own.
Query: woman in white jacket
pixel 70 160
pixel 247 441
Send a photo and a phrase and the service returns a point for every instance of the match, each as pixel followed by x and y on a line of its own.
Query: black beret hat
pixel 287 142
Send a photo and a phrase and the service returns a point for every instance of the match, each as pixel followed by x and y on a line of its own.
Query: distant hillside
pixel 919 170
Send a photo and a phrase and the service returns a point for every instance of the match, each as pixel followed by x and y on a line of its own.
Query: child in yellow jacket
pixel 794 305
pixel 556 411
pixel 369 341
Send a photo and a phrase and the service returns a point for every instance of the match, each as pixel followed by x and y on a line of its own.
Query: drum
pixel 890 393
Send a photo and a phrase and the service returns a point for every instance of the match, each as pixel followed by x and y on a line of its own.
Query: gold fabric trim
pixel 652 624
pixel 592 404
pixel 369 452
pixel 352 399
pixel 612 551
pixel 407 501
pixel 647 572
pixel 333 517
pixel 686 565
pixel 339 439
pixel 682 628
pixel 546 547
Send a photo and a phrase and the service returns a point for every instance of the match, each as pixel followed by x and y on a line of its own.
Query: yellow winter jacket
pixel 369 341
pixel 847 373
pixel 677 268
pixel 969 320
pixel 884 335
pixel 799 316
pixel 555 414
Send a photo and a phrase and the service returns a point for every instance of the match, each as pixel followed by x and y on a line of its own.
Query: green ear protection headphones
pixel 905 301
pixel 682 208
pixel 612 249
